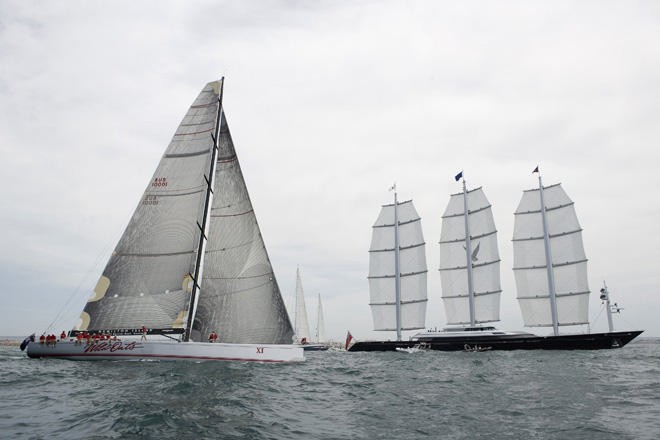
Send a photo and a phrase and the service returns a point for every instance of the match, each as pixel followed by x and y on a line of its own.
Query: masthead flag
pixel 536 170
pixel 458 176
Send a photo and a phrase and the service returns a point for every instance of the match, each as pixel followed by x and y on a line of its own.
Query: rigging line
pixel 226 248
pixel 233 292
pixel 239 277
pixel 84 279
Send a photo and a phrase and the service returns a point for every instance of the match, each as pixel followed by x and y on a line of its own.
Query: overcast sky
pixel 329 103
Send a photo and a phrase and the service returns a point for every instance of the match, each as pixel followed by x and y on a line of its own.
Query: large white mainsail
pixel 549 294
pixel 300 322
pixel 149 278
pixel 397 269
pixel 471 294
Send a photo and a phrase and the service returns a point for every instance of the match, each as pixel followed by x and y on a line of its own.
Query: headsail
pixel 147 281
pixel 484 258
pixel 566 252
pixel 411 266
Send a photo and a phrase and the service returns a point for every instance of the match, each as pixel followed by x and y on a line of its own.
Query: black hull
pixel 315 347
pixel 593 341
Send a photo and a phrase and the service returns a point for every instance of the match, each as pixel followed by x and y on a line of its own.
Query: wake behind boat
pixel 191 263
pixel 552 287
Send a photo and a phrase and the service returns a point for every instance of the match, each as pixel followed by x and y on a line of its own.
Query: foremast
pixel 397 269
pixel 203 228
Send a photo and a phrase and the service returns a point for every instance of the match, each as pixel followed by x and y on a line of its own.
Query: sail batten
pixel 472 237
pixel 401 274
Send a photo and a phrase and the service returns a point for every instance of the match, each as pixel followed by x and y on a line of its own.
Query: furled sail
pixel 566 251
pixel 411 265
pixel 484 257
pixel 147 281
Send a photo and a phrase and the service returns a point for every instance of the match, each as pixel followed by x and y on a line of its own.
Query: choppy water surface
pixel 606 394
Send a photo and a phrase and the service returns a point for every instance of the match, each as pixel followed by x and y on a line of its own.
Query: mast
pixel 318 320
pixel 605 296
pixel 295 304
pixel 205 216
pixel 548 262
pixel 397 274
pixel 468 254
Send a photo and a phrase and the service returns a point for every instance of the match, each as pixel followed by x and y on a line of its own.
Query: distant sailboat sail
pixel 320 323
pixel 301 324
pixel 470 292
pixel 174 272
pixel 397 269
pixel 550 265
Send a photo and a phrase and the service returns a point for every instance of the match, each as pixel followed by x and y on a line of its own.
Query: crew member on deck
pixel 62 336
pixel 144 333
pixel 213 336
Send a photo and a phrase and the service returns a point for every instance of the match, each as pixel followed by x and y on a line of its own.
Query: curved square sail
pixel 148 282
pixel 566 251
pixel 484 258
pixel 411 264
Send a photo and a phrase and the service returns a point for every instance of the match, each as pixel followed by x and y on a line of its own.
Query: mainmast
pixel 548 260
pixel 201 248
pixel 397 274
pixel 468 252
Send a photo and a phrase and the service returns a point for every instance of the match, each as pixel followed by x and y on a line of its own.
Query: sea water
pixel 604 394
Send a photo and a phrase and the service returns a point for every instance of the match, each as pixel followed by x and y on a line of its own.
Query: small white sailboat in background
pixel 319 337
pixel 301 323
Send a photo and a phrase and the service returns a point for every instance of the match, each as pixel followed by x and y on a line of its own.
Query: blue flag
pixel 458 176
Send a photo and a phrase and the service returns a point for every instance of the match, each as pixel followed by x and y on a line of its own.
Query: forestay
pixel 484 256
pixel 412 269
pixel 569 263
